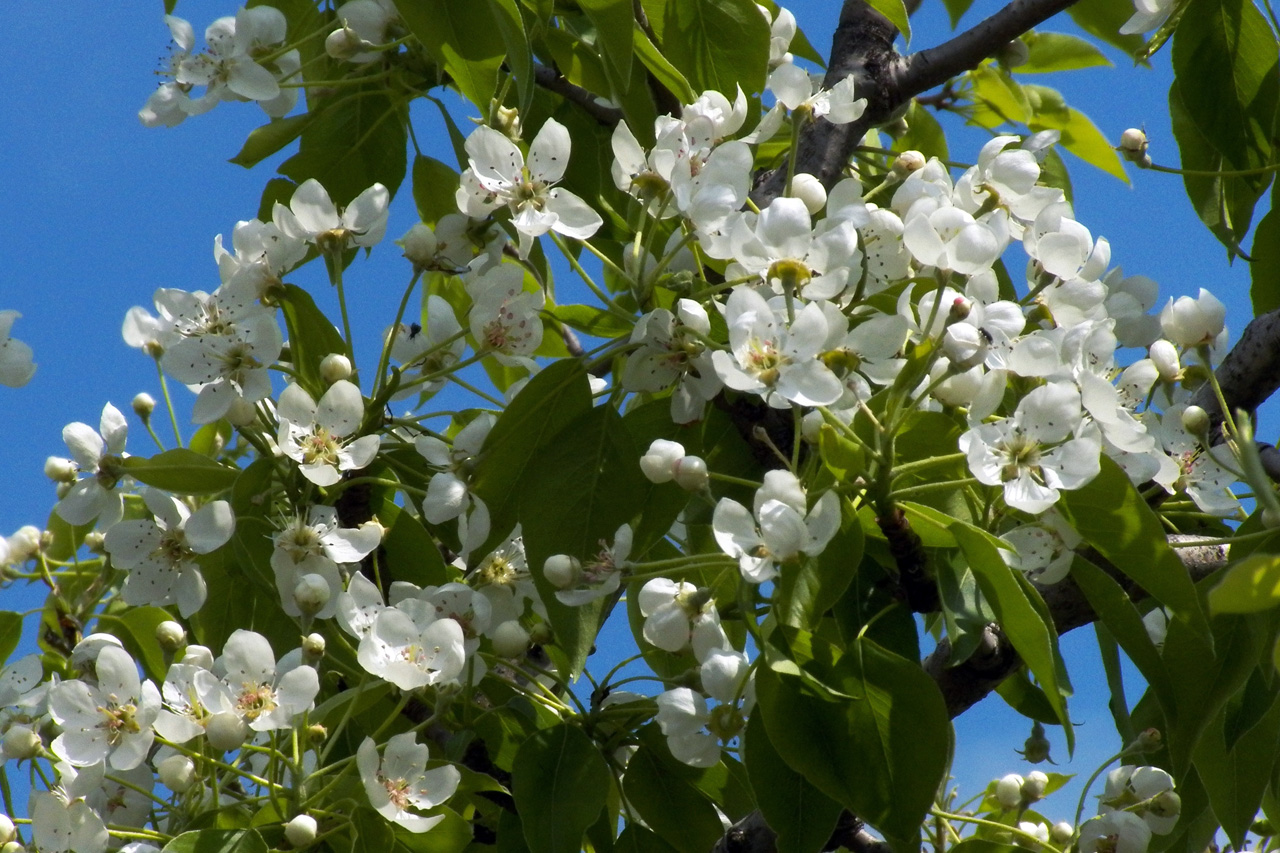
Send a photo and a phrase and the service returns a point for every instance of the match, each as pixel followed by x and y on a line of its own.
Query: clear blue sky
pixel 104 211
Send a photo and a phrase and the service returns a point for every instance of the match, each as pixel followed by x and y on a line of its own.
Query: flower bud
pixel 908 162
pixel 809 190
pixel 62 490
pixel 506 120
pixel 1009 791
pixel 313 646
pixel 542 635
pixel 1061 832
pixel 335 366
pixel 1195 421
pixel 171 636
pixel 343 43
pixel 1014 53
pixel 660 460
pixel 510 639
pixel 1133 147
pixel 1148 740
pixel 1166 804
pixel 311 594
pixel 240 412
pixel 1164 356
pixel 25 544
pixel 197 655
pixel 21 742
pixel 95 542
pixel 561 570
pixel 143 405
pixel 317 734
pixel 12 847
pixel 1034 786
pixel 420 245
pixel 60 470
pixel 177 773
pixel 8 831
pixel 301 831
pixel 691 474
pixel 1036 747
pixel 226 731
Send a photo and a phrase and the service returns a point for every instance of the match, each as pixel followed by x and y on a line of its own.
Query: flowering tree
pixel 694 340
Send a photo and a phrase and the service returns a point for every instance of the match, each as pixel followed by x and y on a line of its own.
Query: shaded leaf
pixel 560 783
pixel 182 472
pixel 802 815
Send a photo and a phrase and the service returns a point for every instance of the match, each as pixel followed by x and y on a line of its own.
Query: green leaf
pixel 1058 52
pixel 1264 266
pixel 217 841
pixel 182 471
pixel 1236 772
pixel 370 831
pixel 266 140
pixel 956 10
pixel 719 45
pixel 1080 136
pixel 451 835
pixel 581 487
pixel 210 439
pixel 135 627
pixel 312 336
pixel 896 12
pixel 10 633
pixel 998 99
pixel 636 839
pixel 663 795
pixel 591 320
pixel 803 594
pixel 412 555
pixel 352 144
pixel 614 21
pixel 924 134
pixel 549 403
pixel 519 49
pixel 657 64
pixel 1027 699
pixel 463 38
pixel 1224 60
pixel 861 751
pixel 435 186
pixel 1113 518
pixel 803 816
pixel 1103 19
pixel 560 783
pixel 1023 617
pixel 1250 586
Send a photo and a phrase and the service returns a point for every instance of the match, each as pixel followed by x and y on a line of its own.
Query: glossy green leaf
pixel 560 783
pixel 581 487
pixel 998 98
pixel 1058 52
pixel 843 458
pixel 1103 19
pixel 451 835
pixel 1236 772
pixel 1112 517
pixel 719 45
pixel 370 831
pixel 667 801
pixel 218 841
pixel 519 49
pixel 1264 266
pixel 1023 616
pixel 614 21
pixel 802 594
pixel 353 144
pixel 1081 137
pixel 464 39
pixel 657 64
pixel 435 187
pixel 956 10
pixel 1250 586
pixel 241 590
pixel 1027 699
pixel 312 336
pixel 636 839
pixel 182 472
pixel 210 439
pixel 549 403
pixel 802 815
pixel 924 134
pixel 136 629
pixel 591 320
pixel 411 554
pixel 10 633
pixel 868 728
pixel 266 140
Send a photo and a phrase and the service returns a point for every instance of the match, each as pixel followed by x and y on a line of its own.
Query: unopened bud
pixel 344 43
pixel 8 831
pixel 691 474
pixel 961 308
pixel 542 635
pixel 335 366
pixel 226 731
pixel 95 541
pixel 809 190
pixel 21 742
pixel 1009 791
pixel 1148 740
pixel 301 831
pixel 659 462
pixel 240 412
pixel 12 847
pixel 420 245
pixel 1195 421
pixel 177 773
pixel 60 470
pixel 1164 355
pixel 1061 832
pixel 143 405
pixel 510 639
pixel 1034 787
pixel 198 656
pixel 313 646
pixel 1133 147
pixel 311 594
pixel 25 544
pixel 908 162
pixel 506 120
pixel 171 636
pixel 561 570
pixel 1167 804
pixel 317 734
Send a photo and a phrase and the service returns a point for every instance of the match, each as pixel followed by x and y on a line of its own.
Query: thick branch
pixel 553 81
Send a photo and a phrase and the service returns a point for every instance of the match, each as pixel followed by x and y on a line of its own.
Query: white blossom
pixel 399 783
pixel 316 435
pixel 16 367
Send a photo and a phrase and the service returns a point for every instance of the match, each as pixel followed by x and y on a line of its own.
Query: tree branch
pixel 553 81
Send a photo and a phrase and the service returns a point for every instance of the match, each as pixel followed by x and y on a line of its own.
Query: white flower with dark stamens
pixel 677 616
pixel 160 554
pixel 410 647
pixel 227 364
pixel 499 176
pixel 316 545
pixel 503 578
pixel 262 254
pixel 448 492
pixel 504 316
pixel 316 434
pixel 110 720
pixel 673 352
pixel 600 576
pixel 781 527
pixel 266 696
pixel 790 255
pixel 59 826
pixel 430 350
pixel 1044 550
pixel 228 69
pixel 794 90
pixel 101 456
pixel 400 783
pixel 192 696
pixel 312 216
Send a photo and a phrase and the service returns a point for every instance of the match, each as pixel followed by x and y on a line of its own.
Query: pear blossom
pixel 1147 15
pixel 600 576
pixel 1063 246
pixel 783 248
pixel 1007 175
pixel 260 254
pixel 267 696
pixel 411 647
pixel 794 89
pixel 227 363
pixel 498 175
pixel 431 350
pixel 313 217
pixel 316 434
pixel 228 69
pixel 160 554
pixel 1190 322
pixel 677 616
pixel 110 720
pixel 448 493
pixel 781 526
pixel 16 367
pixel 315 544
pixel 59 826
pixel 504 316
pixel 1114 832
pixel 100 455
pixel 503 578
pixel 1205 475
pixel 192 697
pixel 119 799
pixel 683 718
pixel 399 782
pixel 673 352
pixel 21 683
pixel 368 21
pixel 1043 550
pixel 1144 791
pixel 170 104
pixel 950 238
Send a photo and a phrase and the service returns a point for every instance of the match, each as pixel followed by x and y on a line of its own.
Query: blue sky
pixel 104 211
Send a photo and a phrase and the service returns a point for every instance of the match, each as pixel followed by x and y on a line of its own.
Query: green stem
pixel 168 403
pixel 385 359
